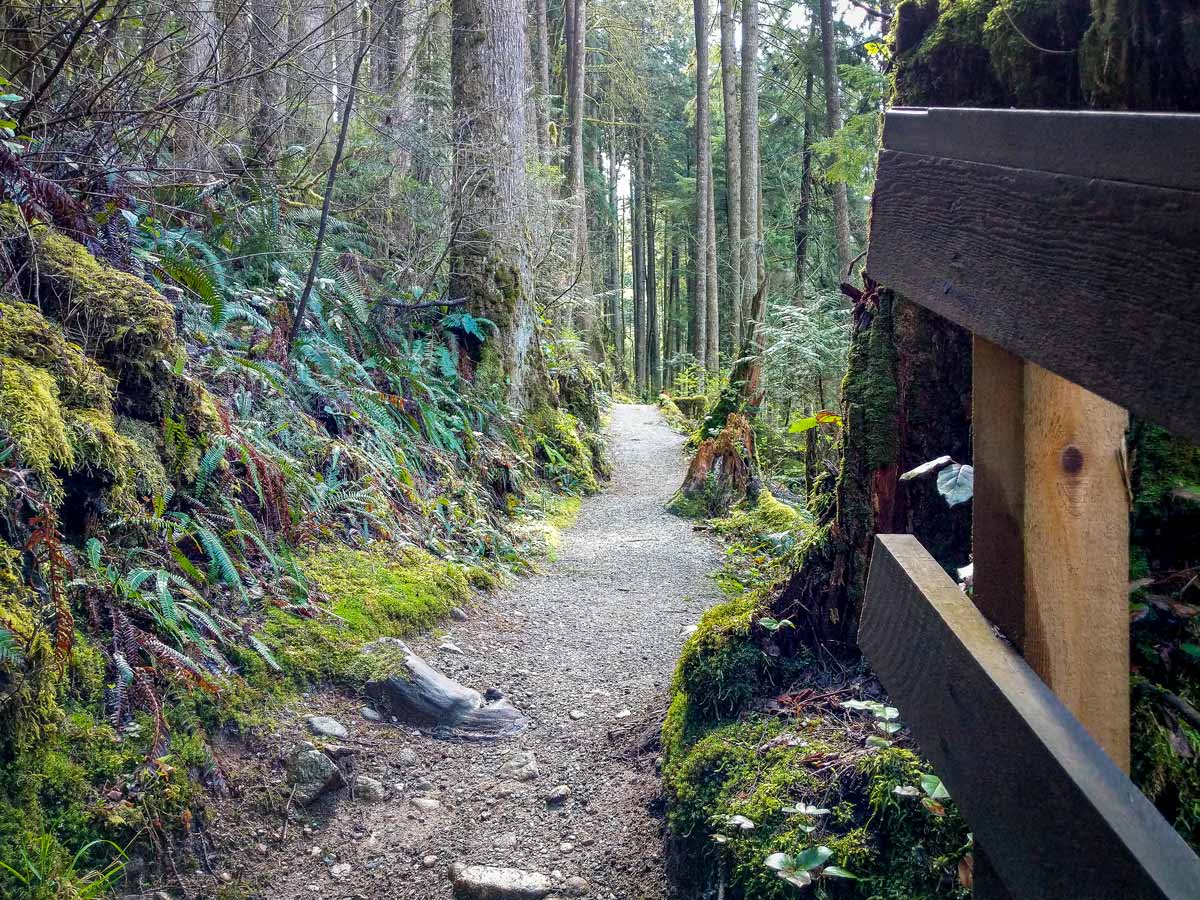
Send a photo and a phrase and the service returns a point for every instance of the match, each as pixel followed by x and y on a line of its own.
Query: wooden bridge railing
pixel 1069 245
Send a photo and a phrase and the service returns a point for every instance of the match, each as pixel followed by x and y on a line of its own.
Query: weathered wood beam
pixel 1011 754
pixel 1069 239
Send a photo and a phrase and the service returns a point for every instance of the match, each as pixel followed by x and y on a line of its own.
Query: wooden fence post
pixel 1051 541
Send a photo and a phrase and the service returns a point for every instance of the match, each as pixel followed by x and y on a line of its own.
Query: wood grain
pixel 1091 279
pixel 1076 541
pixel 1160 149
pixel 1058 818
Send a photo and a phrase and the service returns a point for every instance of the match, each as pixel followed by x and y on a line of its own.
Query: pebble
pixel 324 726
pixel 406 759
pixel 426 804
pixel 559 795
pixel 565 847
pixel 577 887
pixel 370 714
pixel 448 647
pixel 369 790
pixel 341 870
pixel 625 714
pixel 577 714
pixel 507 841
pixel 429 861
pixel 458 614
pixel 522 766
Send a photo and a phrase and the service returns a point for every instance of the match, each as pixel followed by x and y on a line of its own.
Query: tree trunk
pixel 489 263
pixel 803 211
pixel 703 168
pixel 541 56
pixel 751 247
pixel 615 322
pixel 639 273
pixel 266 41
pixel 576 191
pixel 833 121
pixel 712 350
pixel 733 170
pixel 653 372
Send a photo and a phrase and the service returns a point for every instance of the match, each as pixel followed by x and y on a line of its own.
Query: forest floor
pixel 585 648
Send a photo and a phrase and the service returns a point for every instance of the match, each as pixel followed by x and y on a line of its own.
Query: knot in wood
pixel 1072 459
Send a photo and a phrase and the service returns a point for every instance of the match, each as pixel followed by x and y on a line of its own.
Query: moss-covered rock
pixel 381 592
pixel 567 453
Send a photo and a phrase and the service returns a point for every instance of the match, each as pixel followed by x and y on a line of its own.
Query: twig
pixel 414 307
pixel 87 20
pixel 302 306
pixel 287 807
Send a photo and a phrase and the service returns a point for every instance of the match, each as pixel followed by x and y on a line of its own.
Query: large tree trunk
pixel 703 168
pixel 489 263
pixel 733 170
pixel 751 248
pixel 833 121
pixel 576 191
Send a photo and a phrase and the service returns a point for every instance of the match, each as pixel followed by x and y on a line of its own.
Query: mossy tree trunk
pixel 489 262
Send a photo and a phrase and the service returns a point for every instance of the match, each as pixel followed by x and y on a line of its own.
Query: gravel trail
pixel 586 649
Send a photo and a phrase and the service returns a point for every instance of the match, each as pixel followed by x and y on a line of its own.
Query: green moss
pixel 761 767
pixel 870 388
pixel 32 417
pixel 30 711
pixel 565 455
pixel 940 57
pixel 382 592
pixel 116 317
pixel 720 668
pixel 751 523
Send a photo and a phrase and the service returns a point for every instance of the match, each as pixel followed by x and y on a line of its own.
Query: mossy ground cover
pixel 760 758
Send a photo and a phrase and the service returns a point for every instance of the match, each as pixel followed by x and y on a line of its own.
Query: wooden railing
pixel 1069 245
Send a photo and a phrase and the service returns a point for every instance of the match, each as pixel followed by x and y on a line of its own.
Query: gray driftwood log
pixel 417 694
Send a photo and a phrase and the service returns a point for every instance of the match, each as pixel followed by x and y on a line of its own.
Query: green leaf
pixel 779 862
pixel 838 872
pixel 956 483
pixel 812 857
pixel 932 785
pixel 1192 650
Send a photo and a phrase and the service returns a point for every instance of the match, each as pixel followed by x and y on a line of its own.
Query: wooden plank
pixel 1161 149
pixel 1091 279
pixel 1076 540
pixel 1010 752
pixel 998 507
pixel 1050 538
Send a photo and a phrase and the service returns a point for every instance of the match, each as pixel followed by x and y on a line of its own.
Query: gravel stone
pixel 494 883
pixel 324 726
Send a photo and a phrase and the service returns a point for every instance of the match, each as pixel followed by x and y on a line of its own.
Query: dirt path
pixel 585 649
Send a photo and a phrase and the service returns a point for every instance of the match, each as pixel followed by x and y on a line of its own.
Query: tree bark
pixel 712 350
pixel 637 232
pixel 266 39
pixel 749 134
pixel 653 372
pixel 489 264
pixel 833 121
pixel 803 211
pixel 703 168
pixel 733 170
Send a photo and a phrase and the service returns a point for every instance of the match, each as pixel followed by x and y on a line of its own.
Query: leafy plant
pixel 46 873
pixel 805 867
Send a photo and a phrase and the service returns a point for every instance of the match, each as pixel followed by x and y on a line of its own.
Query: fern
pixel 221 561
pixel 264 652
pixel 10 654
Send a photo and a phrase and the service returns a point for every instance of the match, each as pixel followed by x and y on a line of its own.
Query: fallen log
pixel 405 686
